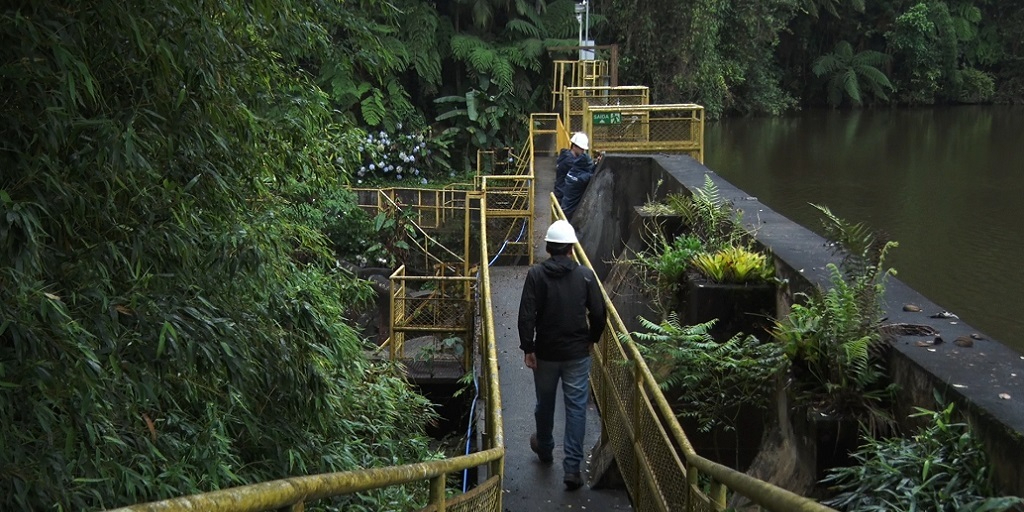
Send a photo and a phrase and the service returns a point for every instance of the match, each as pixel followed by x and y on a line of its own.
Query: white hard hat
pixel 581 140
pixel 561 232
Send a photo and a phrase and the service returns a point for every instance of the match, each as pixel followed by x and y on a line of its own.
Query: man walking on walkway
pixel 561 315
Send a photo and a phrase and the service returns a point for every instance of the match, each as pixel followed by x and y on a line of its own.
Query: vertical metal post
pixel 717 494
pixel 437 496
pixel 392 347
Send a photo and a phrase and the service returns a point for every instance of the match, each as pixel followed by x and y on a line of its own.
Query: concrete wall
pixel 974 377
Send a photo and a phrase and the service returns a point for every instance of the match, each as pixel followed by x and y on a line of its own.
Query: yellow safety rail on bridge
pixel 661 470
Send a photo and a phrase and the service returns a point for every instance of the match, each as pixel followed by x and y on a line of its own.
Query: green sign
pixel 607 117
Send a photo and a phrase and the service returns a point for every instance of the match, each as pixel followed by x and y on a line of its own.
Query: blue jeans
pixel 575 377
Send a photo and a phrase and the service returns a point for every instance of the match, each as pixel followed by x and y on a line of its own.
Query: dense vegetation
pixel 171 318
pixel 752 56
pixel 172 213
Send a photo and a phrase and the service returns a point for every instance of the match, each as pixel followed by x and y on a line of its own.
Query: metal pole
pixel 587 22
pixel 579 19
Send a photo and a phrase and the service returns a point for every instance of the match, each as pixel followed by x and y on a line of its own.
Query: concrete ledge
pixel 973 377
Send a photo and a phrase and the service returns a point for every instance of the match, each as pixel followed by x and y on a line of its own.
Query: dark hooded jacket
pixel 561 313
pixel 572 190
pixel 567 162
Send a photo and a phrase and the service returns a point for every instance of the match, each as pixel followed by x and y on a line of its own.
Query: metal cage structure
pixel 579 99
pixel 646 129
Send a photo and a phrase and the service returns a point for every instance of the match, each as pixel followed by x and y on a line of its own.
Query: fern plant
pixel 850 75
pixel 708 216
pixel 712 379
pixel 833 338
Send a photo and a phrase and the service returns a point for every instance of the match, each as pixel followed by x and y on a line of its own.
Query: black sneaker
pixel 573 481
pixel 546 458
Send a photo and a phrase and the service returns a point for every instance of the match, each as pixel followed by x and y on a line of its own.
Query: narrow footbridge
pixel 502 214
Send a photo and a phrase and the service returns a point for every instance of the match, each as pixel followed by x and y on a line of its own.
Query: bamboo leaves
pixel 165 323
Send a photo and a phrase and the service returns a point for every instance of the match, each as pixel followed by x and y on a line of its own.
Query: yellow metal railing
pixel 579 99
pixel 648 129
pixel 446 310
pixel 577 73
pixel 547 135
pixel 510 199
pixel 428 210
pixel 659 466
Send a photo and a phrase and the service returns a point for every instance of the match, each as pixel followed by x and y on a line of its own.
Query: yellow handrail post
pixel 437 485
pixel 717 494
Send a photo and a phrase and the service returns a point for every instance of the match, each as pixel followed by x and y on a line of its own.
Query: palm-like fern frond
pixel 848 74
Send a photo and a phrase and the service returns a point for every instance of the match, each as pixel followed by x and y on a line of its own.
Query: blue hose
pixel 469 430
pixel 505 244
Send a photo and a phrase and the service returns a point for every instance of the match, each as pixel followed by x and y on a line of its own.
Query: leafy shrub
pixel 942 468
pixel 167 326
pixel 977 86
pixel 712 379
pixel 733 265
pixel 673 261
pixel 409 158
pixel 708 216
pixel 833 339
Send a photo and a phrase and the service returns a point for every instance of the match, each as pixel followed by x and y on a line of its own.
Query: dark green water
pixel 946 183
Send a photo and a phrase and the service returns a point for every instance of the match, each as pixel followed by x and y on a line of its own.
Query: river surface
pixel 946 183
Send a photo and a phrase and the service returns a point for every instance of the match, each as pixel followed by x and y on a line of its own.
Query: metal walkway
pixel 529 485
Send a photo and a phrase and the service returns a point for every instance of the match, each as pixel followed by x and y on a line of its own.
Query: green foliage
pixel 849 74
pixel 497 55
pixel 747 57
pixel 941 468
pixel 833 340
pixel 409 159
pixel 717 53
pixel 815 8
pixel 375 70
pixel 837 360
pixel 924 42
pixel 674 259
pixel 709 217
pixel 348 231
pixel 712 379
pixel 976 86
pixel 862 264
pixel 170 322
pixel 734 265
pixel 478 122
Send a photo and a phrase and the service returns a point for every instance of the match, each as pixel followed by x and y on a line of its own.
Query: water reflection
pixel 945 183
